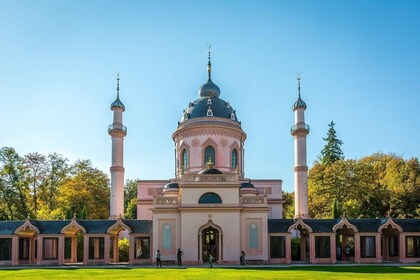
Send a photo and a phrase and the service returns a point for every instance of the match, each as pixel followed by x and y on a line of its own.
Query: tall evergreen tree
pixel 334 209
pixel 332 150
pixel 84 213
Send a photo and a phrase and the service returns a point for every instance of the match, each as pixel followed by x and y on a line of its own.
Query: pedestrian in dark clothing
pixel 211 261
pixel 179 254
pixel 158 261
pixel 242 258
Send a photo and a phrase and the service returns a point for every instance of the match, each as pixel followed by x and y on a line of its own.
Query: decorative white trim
pixel 391 223
pixel 27 226
pixel 119 225
pixel 343 222
pixel 210 224
pixel 73 224
pixel 300 222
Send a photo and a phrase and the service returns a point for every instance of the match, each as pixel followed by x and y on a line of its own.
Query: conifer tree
pixel 334 209
pixel 84 214
pixel 332 150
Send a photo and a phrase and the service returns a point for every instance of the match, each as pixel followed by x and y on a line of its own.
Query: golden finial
pixel 209 164
pixel 209 63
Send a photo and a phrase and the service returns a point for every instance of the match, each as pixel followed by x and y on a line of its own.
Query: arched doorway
pixel 210 243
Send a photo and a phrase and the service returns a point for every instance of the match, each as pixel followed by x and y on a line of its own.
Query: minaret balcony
pixel 299 128
pixel 117 128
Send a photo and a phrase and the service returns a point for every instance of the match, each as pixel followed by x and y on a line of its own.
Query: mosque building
pixel 210 208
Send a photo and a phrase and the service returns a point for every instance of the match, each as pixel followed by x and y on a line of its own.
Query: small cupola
pixel 299 103
pixel 117 103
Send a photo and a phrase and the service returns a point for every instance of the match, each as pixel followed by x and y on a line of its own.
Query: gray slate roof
pixel 91 226
pixel 219 107
pixel 9 227
pixel 408 225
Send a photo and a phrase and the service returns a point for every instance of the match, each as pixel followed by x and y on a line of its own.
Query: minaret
pixel 299 132
pixel 117 131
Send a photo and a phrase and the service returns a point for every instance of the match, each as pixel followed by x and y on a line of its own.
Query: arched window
pixel 209 154
pixel 253 236
pixel 184 159
pixel 234 159
pixel 210 198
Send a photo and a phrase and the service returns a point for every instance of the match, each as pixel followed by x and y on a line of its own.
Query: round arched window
pixel 208 198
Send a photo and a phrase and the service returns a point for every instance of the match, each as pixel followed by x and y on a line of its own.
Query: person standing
pixel 158 261
pixel 242 258
pixel 179 254
pixel 211 261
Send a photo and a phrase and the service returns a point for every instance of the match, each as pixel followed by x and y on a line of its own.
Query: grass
pixel 297 272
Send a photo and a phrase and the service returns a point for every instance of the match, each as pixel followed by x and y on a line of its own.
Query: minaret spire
pixel 298 78
pixel 209 63
pixel 118 85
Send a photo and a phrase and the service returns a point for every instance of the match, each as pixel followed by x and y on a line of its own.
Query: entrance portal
pixel 210 243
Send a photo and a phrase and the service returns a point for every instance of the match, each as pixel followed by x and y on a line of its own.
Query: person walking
pixel 211 261
pixel 179 254
pixel 242 258
pixel 158 261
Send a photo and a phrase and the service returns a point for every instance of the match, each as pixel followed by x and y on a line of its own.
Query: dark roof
pixel 210 171
pixel 96 226
pixel 117 104
pixel 9 227
pixel 299 104
pixel 209 89
pixel 139 226
pixel 321 225
pixel 50 227
pixel 279 225
pixel 368 224
pixel 247 185
pixel 171 186
pixel 408 225
pixel 219 108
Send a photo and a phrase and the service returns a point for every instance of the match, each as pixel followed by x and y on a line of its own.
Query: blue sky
pixel 359 62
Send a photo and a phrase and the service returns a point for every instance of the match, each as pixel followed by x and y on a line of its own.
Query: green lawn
pixel 301 273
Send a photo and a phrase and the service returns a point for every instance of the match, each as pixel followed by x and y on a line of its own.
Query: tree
pixel 88 186
pixel 288 205
pixel 14 190
pixel 130 192
pixel 84 213
pixel 374 186
pixel 58 172
pixel 334 209
pixel 37 169
pixel 131 210
pixel 130 199
pixel 332 150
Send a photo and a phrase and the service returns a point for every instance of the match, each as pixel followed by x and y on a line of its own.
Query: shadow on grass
pixel 337 269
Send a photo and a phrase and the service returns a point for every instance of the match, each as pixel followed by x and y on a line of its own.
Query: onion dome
pixel 117 103
pixel 171 186
pixel 247 185
pixel 209 89
pixel 210 169
pixel 209 104
pixel 299 103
